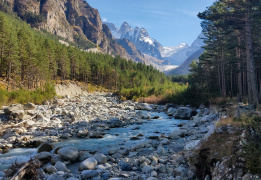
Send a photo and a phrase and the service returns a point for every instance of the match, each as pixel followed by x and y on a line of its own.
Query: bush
pixel 24 96
pixel 193 95
pixel 252 148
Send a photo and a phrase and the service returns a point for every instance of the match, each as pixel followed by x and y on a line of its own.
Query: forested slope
pixel 29 56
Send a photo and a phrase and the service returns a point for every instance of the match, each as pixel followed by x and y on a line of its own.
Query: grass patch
pixel 153 100
pixel 23 96
pixel 232 121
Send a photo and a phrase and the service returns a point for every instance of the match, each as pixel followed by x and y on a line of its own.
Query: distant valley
pixel 163 58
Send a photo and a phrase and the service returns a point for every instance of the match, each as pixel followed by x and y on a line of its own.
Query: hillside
pixel 74 20
pixel 184 67
pixel 32 58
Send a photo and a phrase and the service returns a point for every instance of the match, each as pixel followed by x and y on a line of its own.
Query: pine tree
pixel 4 34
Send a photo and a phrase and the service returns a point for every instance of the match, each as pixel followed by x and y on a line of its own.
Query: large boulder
pixel 61 166
pixel 29 106
pixel 147 169
pixel 51 169
pixel 68 153
pixel 46 147
pixel 184 113
pixel 101 158
pixel 171 111
pixel 55 177
pixel 88 174
pixel 95 134
pixel 82 133
pixel 84 155
pixel 126 167
pixel 169 105
pixel 44 156
pixel 176 134
pixel 143 106
pixel 88 164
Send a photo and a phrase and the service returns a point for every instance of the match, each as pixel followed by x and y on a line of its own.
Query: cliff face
pixel 67 18
pixel 131 50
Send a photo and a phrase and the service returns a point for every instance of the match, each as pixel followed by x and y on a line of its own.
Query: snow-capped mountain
pixel 175 55
pixel 138 36
pixel 169 51
pixel 112 28
pixel 181 56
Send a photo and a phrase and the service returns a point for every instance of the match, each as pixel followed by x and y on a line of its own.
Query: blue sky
pixel 171 22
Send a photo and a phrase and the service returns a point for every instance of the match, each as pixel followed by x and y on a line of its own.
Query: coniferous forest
pixel 30 57
pixel 230 65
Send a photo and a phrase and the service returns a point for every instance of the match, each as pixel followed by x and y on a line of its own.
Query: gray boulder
pixel 176 134
pixel 68 153
pixel 44 156
pixel 171 111
pixel 147 169
pixel 184 113
pixel 29 106
pixel 84 155
pixel 82 133
pixel 88 174
pixel 143 106
pixel 46 147
pixel 61 166
pixel 101 158
pixel 168 105
pixel 88 164
pixel 51 169
pixel 55 177
pixel 126 167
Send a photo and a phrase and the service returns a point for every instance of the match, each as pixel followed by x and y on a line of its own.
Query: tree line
pixel 230 65
pixel 29 57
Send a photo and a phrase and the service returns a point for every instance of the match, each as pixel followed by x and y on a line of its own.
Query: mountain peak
pixel 169 51
pixel 140 38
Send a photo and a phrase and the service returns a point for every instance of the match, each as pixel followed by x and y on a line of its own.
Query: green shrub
pixel 24 96
pixel 252 147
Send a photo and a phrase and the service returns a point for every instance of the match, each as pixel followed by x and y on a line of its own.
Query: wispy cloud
pixel 104 19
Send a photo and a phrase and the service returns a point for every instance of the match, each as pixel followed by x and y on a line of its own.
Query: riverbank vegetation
pixel 22 96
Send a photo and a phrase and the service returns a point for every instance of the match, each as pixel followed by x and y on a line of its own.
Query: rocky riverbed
pixel 142 156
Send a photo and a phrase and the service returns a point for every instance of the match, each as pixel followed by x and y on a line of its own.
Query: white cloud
pixel 104 19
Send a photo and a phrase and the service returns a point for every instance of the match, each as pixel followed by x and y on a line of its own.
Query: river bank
pixel 149 155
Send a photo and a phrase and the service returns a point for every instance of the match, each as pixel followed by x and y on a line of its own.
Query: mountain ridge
pixel 181 56
pixel 138 36
pixel 67 19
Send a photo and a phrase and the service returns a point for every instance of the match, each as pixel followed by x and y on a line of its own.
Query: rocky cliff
pixel 69 18
pixel 131 50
